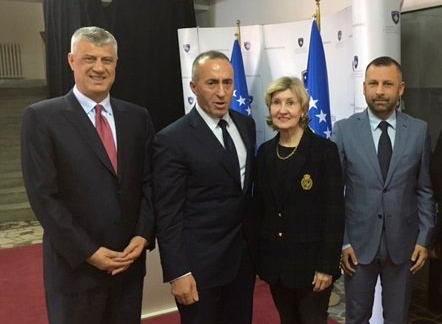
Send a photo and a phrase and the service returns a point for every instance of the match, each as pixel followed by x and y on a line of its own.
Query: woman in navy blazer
pixel 300 207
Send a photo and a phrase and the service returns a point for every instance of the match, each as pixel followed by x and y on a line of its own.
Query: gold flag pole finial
pixel 238 32
pixel 318 15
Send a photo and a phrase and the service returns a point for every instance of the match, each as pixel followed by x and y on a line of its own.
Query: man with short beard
pixel 389 208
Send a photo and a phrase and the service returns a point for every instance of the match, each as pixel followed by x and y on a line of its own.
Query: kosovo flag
pixel 241 100
pixel 316 83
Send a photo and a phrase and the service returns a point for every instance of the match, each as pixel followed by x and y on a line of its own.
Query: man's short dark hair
pixel 384 61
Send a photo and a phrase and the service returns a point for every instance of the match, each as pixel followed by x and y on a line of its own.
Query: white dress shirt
pixel 89 107
pixel 234 133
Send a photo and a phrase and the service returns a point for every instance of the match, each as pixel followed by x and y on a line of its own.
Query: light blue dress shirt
pixel 376 131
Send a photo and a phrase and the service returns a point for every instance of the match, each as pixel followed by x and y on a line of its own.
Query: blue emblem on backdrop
pixel 300 41
pixel 317 86
pixel 355 62
pixel 304 77
pixel 190 100
pixel 395 15
pixel 339 35
pixel 186 48
pixel 247 45
pixel 241 99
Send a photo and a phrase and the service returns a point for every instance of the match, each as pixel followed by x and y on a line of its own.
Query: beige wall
pixel 156 295
pixel 22 22
pixel 257 12
pixel 224 13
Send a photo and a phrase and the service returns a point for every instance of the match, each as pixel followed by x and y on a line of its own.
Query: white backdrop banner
pixel 272 51
pixel 376 32
pixel 351 38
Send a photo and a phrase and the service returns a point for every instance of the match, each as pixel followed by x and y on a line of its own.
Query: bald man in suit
pixel 202 184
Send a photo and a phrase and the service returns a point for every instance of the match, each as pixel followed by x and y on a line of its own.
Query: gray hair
pixel 96 35
pixel 209 55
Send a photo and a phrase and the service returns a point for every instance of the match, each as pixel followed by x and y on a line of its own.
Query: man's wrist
pixel 184 275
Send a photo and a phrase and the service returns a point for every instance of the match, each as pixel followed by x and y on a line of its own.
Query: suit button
pixel 385 190
pixel 379 216
pixel 279 215
pixel 279 234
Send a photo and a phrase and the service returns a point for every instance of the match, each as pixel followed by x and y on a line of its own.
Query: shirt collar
pixel 88 104
pixel 375 120
pixel 212 122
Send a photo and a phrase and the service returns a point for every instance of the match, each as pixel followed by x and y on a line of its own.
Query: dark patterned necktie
pixel 229 146
pixel 384 149
pixel 105 133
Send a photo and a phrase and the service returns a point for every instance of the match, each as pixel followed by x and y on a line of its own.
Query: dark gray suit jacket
pixel 75 194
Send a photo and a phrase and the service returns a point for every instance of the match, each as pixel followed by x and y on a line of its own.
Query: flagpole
pixel 318 15
pixel 238 32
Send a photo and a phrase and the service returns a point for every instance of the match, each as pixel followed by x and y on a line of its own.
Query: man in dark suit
pixel 202 184
pixel 389 207
pixel 86 166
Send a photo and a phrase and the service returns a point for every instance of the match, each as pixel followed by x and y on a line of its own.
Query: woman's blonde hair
pixel 297 87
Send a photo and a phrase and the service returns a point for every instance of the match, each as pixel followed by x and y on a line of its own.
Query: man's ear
pixel 71 61
pixel 193 87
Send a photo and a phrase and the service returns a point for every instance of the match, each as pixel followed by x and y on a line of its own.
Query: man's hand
pixel 419 257
pixel 321 281
pixel 131 253
pixel 184 290
pixel 348 258
pixel 108 260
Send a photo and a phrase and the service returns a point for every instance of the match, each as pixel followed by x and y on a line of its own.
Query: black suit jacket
pixel 300 223
pixel 200 206
pixel 75 194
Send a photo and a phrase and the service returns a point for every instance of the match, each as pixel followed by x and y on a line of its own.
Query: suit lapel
pixel 122 136
pixel 81 122
pixel 367 144
pixel 207 139
pixel 400 142
pixel 245 136
pixel 269 170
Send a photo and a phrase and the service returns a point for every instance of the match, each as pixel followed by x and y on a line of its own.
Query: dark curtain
pixel 148 69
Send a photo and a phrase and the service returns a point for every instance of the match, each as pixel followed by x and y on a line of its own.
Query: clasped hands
pixel 115 262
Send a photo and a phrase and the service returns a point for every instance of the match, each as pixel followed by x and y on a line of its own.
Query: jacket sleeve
pixel 337 138
pixel 39 167
pixel 146 220
pixel 424 192
pixel 333 212
pixel 169 179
